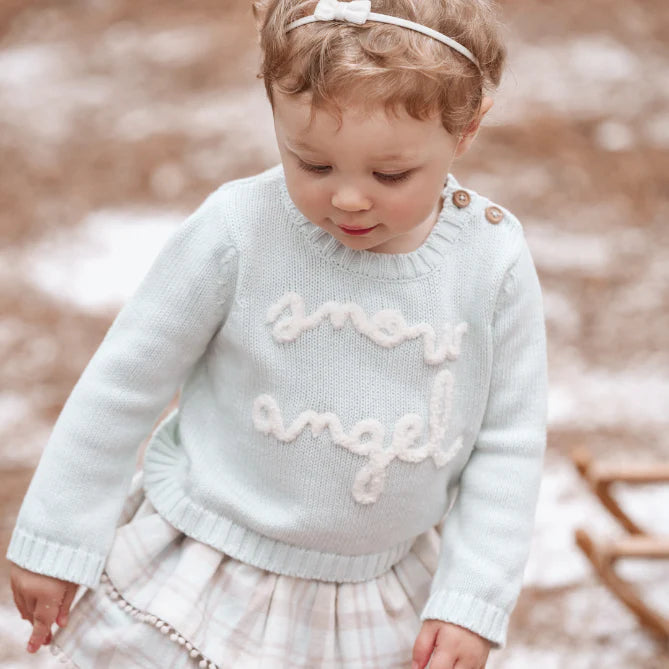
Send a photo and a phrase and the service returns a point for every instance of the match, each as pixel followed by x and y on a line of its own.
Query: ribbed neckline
pixel 423 260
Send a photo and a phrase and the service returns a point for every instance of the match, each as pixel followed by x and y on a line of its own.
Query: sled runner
pixel 637 544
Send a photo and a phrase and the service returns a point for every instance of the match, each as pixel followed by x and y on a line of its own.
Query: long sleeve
pixel 486 535
pixel 65 526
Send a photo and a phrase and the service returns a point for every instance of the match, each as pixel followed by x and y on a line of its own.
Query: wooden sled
pixel 639 543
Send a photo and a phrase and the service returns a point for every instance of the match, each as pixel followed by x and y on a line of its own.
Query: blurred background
pixel 118 117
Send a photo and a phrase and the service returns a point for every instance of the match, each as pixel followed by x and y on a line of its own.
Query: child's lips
pixel 357 231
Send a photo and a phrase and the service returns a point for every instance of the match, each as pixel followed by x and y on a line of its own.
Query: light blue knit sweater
pixel 331 402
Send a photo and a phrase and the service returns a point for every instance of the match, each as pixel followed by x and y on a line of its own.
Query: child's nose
pixel 349 198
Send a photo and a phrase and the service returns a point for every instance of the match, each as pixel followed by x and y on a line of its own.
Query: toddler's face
pixel 377 172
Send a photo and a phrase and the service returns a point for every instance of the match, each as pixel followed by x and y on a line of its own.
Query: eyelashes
pixel 387 178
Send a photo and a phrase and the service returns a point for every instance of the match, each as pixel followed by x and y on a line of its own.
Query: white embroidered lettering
pixel 386 327
pixel 369 480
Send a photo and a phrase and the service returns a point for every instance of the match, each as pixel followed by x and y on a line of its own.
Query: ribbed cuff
pixel 53 559
pixel 467 611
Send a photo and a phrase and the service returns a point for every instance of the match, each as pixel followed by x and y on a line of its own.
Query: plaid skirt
pixel 168 601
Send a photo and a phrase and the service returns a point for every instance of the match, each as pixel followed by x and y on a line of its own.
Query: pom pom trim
pixel 201 661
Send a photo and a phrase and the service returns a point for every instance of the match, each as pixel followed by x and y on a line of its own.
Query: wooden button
pixel 494 214
pixel 461 198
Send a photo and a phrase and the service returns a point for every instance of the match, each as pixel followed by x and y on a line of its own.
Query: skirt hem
pixel 203 662
pixel 62 656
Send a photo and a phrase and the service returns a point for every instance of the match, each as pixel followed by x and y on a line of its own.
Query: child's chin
pixel 361 242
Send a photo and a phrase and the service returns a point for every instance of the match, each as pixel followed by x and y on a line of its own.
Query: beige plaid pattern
pixel 168 601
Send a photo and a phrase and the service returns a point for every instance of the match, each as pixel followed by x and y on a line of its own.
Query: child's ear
pixel 470 133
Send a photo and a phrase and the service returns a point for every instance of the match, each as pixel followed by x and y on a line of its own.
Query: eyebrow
pixel 387 156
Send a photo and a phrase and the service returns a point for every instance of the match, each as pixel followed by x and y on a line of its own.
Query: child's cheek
pixel 317 203
pixel 404 211
pixel 310 200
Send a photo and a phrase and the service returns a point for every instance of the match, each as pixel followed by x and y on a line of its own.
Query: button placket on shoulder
pixel 494 214
pixel 461 198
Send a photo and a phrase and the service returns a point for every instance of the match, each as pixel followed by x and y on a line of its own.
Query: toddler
pixel 350 476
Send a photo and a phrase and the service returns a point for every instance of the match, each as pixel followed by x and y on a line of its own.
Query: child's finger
pixel 40 631
pixel 471 662
pixel 64 609
pixel 423 646
pixel 45 613
pixel 443 658
pixel 30 602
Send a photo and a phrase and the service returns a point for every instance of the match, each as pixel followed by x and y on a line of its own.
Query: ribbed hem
pixel 53 559
pixel 162 482
pixel 423 260
pixel 467 611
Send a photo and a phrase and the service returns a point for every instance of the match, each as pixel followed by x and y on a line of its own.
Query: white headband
pixel 359 11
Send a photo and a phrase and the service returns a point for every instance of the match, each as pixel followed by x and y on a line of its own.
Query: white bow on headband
pixel 359 12
pixel 356 11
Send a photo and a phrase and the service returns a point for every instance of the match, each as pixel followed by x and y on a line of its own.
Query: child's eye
pixel 389 178
pixel 394 178
pixel 318 169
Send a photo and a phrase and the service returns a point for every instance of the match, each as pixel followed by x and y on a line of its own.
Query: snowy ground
pixel 116 121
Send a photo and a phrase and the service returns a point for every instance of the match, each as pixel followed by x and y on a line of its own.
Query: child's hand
pixel 41 600
pixel 451 644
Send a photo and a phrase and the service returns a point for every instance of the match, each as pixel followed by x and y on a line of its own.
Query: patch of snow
pixel 125 40
pixel 242 110
pixel 14 408
pixel 614 136
pixel 526 657
pixel 648 293
pixel 529 180
pixel 560 314
pixel 98 265
pixel 34 65
pixel 179 46
pixel 586 397
pixel 23 435
pixel 559 250
pixel 46 88
pixel 584 76
pixel 564 504
pixel 42 87
pixel 220 117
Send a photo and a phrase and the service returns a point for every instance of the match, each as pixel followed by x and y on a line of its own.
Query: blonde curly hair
pixel 373 64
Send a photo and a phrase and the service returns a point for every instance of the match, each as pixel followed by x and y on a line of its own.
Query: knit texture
pixel 334 404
